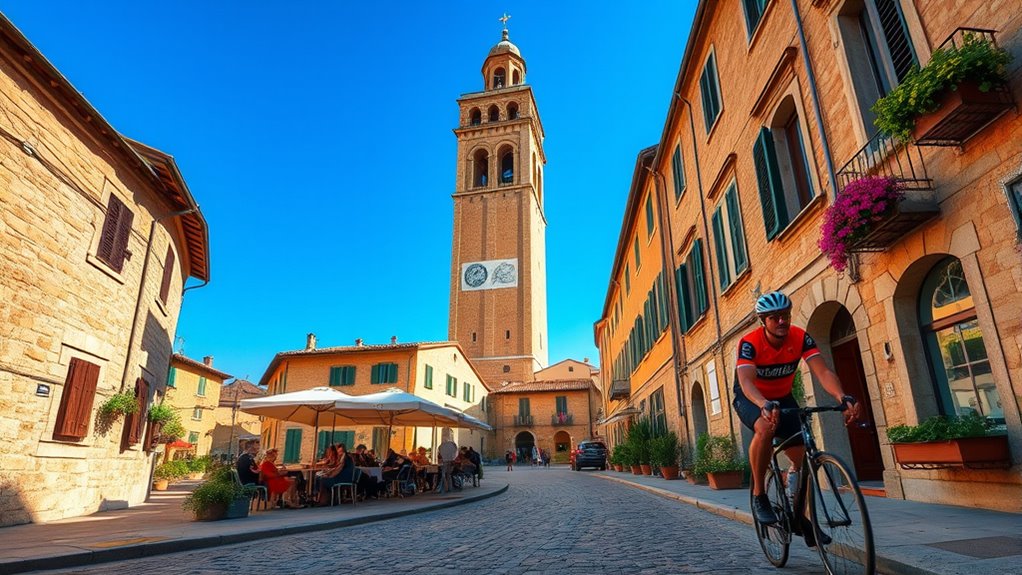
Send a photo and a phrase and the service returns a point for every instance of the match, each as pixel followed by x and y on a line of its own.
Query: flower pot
pixel 636 470
pixel 161 484
pixel 618 467
pixel 669 471
pixel 989 451
pixel 725 479
pixel 211 513
pixel 646 469
pixel 960 115
pixel 238 508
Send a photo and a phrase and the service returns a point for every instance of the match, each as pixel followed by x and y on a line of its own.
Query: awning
pixel 179 444
pixel 623 414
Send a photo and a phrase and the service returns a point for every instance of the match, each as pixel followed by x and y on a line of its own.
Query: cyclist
pixel 768 358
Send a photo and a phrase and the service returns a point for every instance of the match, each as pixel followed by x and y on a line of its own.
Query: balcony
pixel 523 420
pixel 620 389
pixel 902 161
pixel 562 419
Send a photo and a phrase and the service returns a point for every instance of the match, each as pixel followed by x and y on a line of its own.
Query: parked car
pixel 589 454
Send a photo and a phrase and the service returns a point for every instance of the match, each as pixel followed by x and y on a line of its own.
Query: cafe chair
pixel 335 492
pixel 260 495
pixel 403 482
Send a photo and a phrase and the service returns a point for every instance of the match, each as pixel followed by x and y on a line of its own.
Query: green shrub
pixel 172 431
pixel 665 450
pixel 942 428
pixel 117 404
pixel 219 489
pixel 717 454
pixel 162 413
pixel 171 470
pixel 975 60
pixel 199 464
pixel 639 438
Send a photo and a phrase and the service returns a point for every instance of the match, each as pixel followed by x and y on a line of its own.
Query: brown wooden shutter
pixel 135 422
pixel 168 273
pixel 113 243
pixel 76 402
pixel 121 241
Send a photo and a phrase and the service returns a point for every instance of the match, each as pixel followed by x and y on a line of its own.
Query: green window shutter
pixel 704 95
pixel 638 262
pixel 428 382
pixel 335 376
pixel 665 316
pixel 390 373
pixel 684 308
pixel 709 89
pixel 650 216
pixel 768 177
pixel 523 406
pixel 193 437
pixel 202 386
pixel 679 172
pixel 719 245
pixel 375 374
pixel 349 375
pixel 293 446
pixel 628 280
pixel 698 279
pixel 562 404
pixel 171 377
pixel 734 217
pixel 465 394
pixel 322 441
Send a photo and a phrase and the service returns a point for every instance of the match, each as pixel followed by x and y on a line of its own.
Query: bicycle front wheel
pixel 843 532
pixel 774 539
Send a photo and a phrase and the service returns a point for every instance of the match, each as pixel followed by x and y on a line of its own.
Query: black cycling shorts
pixel 749 412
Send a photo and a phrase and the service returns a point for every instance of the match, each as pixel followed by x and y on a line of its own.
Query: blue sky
pixel 316 136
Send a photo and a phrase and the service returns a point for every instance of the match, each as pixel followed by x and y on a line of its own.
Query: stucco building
pixel 770 121
pixel 98 234
pixel 233 425
pixel 193 391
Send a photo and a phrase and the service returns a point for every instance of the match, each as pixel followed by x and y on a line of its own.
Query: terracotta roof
pixel 200 367
pixel 546 385
pixel 237 390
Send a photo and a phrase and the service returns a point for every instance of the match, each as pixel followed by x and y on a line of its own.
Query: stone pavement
pixel 911 538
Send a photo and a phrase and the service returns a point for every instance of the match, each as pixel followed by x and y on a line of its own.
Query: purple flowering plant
pixel 862 203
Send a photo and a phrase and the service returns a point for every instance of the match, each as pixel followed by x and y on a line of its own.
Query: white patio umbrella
pixel 313 407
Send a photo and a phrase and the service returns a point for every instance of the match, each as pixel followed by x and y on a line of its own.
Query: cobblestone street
pixel 550 521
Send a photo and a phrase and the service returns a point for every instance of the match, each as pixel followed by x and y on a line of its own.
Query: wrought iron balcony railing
pixel 523 420
pixel 620 388
pixel 562 419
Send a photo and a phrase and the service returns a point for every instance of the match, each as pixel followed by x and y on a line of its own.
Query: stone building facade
pixel 771 120
pixel 193 391
pixel 553 415
pixel 98 234
pixel 437 371
pixel 233 425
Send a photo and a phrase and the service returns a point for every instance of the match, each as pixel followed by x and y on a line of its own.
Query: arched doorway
pixel 524 442
pixel 862 439
pixel 700 423
pixel 562 447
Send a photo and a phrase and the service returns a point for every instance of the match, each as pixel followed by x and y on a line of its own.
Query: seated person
pixel 373 461
pixel 392 465
pixel 463 464
pixel 342 472
pixel 248 471
pixel 280 487
pixel 362 458
pixel 418 457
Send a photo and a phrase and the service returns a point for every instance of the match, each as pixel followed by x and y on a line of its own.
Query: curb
pixel 87 558
pixel 884 564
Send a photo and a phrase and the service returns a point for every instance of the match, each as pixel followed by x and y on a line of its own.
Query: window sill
pixel 699 322
pixel 103 267
pixel 800 219
pixel 162 307
pixel 63 448
pixel 740 279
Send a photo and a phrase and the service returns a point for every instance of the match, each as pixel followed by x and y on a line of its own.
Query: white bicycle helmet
pixel 772 302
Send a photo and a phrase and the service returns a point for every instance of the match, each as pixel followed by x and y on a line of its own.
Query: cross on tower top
pixel 503 20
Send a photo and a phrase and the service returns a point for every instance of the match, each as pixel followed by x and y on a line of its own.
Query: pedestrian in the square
pixel 509 458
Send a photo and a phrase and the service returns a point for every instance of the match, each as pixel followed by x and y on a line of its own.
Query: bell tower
pixel 498 309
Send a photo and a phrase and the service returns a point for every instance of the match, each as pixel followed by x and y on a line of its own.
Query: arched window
pixel 475 117
pixel 512 111
pixel 498 78
pixel 516 78
pixel 480 169
pixel 507 166
pixel 958 358
pixel 494 113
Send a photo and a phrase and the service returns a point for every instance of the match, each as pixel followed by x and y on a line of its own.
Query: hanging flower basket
pixel 856 211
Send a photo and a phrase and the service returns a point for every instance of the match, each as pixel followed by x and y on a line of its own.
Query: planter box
pixel 669 472
pixel 211 513
pixel 239 508
pixel 910 213
pixel 725 479
pixel 646 469
pixel 161 484
pixel 961 114
pixel 971 452
pixel 618 467
pixel 636 470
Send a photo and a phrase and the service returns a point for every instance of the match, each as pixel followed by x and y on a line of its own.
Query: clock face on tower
pixel 492 274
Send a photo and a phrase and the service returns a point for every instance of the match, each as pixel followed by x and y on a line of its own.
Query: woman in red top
pixel 276 481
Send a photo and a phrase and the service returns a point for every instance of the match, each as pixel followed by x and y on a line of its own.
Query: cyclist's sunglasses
pixel 786 316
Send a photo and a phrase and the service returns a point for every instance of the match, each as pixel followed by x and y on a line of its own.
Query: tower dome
pixel 504 65
pixel 504 46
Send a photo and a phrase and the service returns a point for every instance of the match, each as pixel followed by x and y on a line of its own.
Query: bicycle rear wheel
pixel 839 513
pixel 774 539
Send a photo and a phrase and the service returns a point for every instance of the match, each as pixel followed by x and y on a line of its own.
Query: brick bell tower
pixel 498 310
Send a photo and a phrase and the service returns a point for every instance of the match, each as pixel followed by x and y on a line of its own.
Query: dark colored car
pixel 589 454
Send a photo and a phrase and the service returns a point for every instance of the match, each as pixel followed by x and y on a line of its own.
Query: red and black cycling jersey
pixel 775 367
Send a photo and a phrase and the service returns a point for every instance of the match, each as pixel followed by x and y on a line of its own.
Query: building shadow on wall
pixel 13 507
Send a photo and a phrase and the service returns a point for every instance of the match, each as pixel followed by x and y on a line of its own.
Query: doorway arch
pixel 562 446
pixel 700 423
pixel 524 442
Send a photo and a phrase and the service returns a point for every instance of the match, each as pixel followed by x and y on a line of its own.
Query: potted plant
pixel 665 454
pixel 860 206
pixel 640 436
pixel 219 497
pixel 630 458
pixel 686 462
pixel 720 462
pixel 165 473
pixel 197 466
pixel 939 102
pixel 967 441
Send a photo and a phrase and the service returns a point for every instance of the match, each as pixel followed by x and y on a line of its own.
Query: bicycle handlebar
pixel 818 409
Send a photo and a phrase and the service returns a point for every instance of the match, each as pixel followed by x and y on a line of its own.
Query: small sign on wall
pixel 42 390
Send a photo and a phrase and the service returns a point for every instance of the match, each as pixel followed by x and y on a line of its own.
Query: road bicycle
pixel 837 510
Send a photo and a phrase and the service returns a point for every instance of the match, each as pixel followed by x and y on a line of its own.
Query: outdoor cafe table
pixel 309 471
pixel 376 472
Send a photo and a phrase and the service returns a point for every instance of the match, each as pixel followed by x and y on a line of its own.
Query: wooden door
pixel 869 464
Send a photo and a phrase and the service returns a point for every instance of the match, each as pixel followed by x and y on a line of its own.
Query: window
pixel 384 373
pixel 524 409
pixel 678 168
pixel 656 411
pixel 571 368
pixel 517 79
pixel 782 170
pixel 452 386
pixel 202 387
pixel 466 393
pixel 711 384
pixel 753 12
pixel 1014 190
pixel 197 414
pixel 963 381
pixel 561 404
pixel 75 410
pixel 494 113
pixel 481 168
pixel 512 111
pixel 507 166
pixel 507 334
pixel 168 275
pixel 498 78
pixel 342 375
pixel 628 280
pixel 691 285
pixel 113 241
pixel 650 217
pixel 427 381
pixel 638 262
pixel 729 238
pixel 709 90
pixel 328 438
pixel 293 446
pixel 878 50
pixel 171 377
pixel 193 437
pixel 475 117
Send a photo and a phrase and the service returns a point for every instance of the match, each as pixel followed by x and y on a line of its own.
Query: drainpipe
pixel 824 142
pixel 141 290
